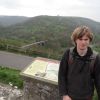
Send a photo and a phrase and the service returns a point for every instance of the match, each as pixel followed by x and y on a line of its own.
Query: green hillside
pixel 56 30
pixel 11 20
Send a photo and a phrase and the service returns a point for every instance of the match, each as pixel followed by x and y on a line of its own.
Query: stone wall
pixel 39 90
pixel 10 93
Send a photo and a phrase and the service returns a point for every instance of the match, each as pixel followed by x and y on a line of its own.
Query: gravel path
pixel 16 61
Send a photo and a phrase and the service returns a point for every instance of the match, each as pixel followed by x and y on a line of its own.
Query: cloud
pixel 9 3
pixel 82 8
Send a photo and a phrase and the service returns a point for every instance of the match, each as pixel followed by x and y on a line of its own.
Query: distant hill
pixel 11 20
pixel 55 30
pixel 51 28
pixel 44 27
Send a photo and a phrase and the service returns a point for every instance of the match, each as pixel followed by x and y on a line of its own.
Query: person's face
pixel 83 43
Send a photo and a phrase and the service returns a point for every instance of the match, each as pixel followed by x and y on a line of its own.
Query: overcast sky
pixel 31 8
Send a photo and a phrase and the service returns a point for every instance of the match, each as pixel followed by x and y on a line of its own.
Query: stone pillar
pixel 39 90
pixel 40 80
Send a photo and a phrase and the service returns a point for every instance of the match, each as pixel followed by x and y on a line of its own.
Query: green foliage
pixel 95 96
pixel 55 29
pixel 10 75
pixel 47 27
pixel 96 47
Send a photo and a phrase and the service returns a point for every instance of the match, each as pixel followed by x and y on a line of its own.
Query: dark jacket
pixel 76 79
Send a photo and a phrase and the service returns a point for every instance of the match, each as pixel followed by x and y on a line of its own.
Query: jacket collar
pixel 88 54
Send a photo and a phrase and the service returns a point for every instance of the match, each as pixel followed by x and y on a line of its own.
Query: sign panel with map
pixel 43 69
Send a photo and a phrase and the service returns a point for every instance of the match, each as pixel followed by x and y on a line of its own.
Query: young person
pixel 76 78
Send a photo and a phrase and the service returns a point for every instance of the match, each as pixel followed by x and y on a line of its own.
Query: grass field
pixel 11 75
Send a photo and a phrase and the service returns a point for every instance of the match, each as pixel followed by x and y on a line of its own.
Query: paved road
pixel 14 60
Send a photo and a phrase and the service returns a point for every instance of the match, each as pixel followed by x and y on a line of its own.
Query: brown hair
pixel 79 32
